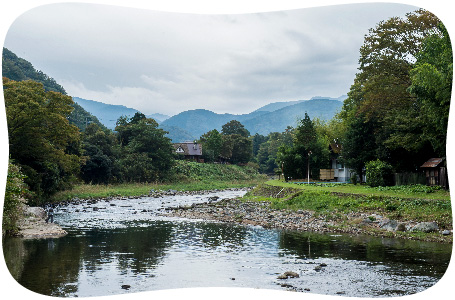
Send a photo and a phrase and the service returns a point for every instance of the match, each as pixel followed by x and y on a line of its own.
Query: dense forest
pixel 396 113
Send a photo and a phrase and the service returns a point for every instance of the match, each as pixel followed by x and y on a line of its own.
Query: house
pixel 337 172
pixel 190 150
pixel 435 172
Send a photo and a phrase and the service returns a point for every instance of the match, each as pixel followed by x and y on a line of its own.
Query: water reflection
pixel 129 245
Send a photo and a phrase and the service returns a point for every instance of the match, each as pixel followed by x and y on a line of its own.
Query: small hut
pixel 435 172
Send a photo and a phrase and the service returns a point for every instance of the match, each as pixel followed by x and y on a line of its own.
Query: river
pixel 125 245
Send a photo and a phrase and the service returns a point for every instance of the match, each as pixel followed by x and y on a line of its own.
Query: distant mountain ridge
pixel 191 124
pixel 262 121
pixel 108 114
pixel 279 105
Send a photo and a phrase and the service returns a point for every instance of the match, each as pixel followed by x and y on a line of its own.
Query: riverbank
pixel 288 208
pixel 93 191
pixel 32 225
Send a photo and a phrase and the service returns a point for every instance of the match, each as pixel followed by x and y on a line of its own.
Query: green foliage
pixel 431 80
pixel 41 140
pixel 212 143
pixel 378 173
pixel 18 69
pixel 101 151
pixel 234 127
pixel 146 153
pixel 309 151
pixel 236 147
pixel 410 189
pixel 192 171
pixel 14 198
pixel 359 144
pixel 397 107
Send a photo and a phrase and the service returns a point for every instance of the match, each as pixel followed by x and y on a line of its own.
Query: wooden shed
pixel 435 172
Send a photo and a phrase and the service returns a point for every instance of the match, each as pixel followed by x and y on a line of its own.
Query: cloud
pixel 169 62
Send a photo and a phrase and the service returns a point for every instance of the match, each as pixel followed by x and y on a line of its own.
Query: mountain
pixel 18 69
pixel 274 117
pixel 158 117
pixel 279 105
pixel 278 120
pixel 199 121
pixel 108 114
pixel 178 135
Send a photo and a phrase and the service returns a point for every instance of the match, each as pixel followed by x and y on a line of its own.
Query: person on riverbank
pixel 50 214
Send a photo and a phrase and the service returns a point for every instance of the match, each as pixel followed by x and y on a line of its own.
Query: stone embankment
pixel 33 225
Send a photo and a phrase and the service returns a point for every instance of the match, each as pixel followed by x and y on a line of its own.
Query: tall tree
pixel 380 96
pixel 212 144
pixel 146 151
pixel 41 140
pixel 234 127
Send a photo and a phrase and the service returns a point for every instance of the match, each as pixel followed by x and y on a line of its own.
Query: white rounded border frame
pixel 10 10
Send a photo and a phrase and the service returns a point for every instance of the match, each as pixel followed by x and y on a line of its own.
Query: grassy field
pixel 403 192
pixel 84 191
pixel 416 202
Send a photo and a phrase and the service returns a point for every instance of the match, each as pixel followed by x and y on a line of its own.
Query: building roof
pixel 432 163
pixel 189 148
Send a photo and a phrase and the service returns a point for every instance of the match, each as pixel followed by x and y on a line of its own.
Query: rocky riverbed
pixel 260 213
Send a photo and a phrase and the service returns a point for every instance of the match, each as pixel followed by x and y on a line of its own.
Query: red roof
pixel 432 163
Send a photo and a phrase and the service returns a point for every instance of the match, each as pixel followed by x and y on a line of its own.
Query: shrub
pixel 14 192
pixel 378 173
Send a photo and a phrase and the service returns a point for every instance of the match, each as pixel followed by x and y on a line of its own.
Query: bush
pixel 14 192
pixel 379 173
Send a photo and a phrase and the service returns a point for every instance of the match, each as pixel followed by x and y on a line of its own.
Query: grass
pixel 403 192
pixel 187 176
pixel 416 203
pixel 85 191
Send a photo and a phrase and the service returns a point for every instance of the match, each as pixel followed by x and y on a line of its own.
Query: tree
pixel 234 127
pixel 309 152
pixel 212 143
pixel 389 114
pixel 237 147
pixel 100 149
pixel 41 140
pixel 387 56
pixel 431 80
pixel 147 154
pixel 359 145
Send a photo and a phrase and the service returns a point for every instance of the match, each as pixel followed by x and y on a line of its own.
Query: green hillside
pixel 19 69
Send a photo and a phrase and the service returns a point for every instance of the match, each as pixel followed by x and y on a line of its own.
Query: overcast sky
pixel 160 62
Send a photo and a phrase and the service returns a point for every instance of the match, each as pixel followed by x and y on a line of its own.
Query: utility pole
pixel 309 153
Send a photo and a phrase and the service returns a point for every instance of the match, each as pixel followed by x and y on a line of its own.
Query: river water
pixel 124 246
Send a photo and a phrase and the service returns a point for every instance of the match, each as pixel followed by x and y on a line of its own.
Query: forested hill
pixel 19 69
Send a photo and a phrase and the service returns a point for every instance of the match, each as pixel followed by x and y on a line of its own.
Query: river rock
pixel 37 212
pixel 426 227
pixel 288 274
pixel 390 225
pixel 446 232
